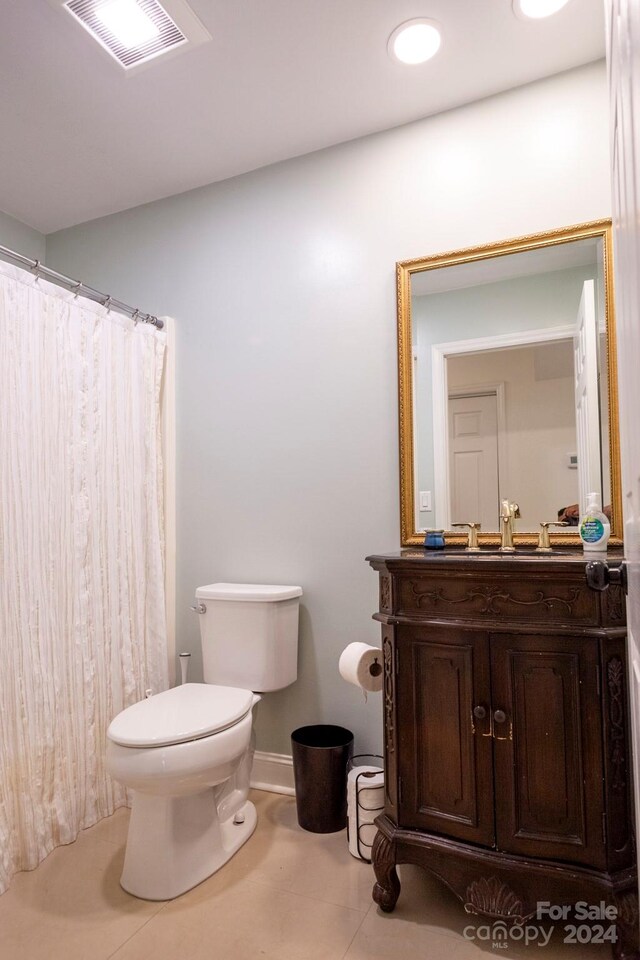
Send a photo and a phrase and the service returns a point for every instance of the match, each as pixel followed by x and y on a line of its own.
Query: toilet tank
pixel 249 635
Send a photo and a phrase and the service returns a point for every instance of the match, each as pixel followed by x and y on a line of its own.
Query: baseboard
pixel 273 772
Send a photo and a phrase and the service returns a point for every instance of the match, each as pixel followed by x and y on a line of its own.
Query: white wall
pixel 283 285
pixel 21 238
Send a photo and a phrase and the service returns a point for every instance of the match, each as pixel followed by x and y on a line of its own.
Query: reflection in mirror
pixel 508 382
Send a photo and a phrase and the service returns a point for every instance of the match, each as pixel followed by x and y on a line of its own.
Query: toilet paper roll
pixel 360 845
pixel 365 797
pixel 361 665
pixel 365 785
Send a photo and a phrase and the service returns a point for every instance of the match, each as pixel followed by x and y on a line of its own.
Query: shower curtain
pixel 82 617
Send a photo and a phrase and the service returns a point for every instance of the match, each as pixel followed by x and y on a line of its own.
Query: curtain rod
pixel 81 288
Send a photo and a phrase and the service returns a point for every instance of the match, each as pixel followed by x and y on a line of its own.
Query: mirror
pixel 507 383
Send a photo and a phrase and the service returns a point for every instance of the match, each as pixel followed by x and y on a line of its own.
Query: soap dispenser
pixel 595 529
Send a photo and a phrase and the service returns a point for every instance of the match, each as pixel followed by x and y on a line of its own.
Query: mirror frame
pixel 404 271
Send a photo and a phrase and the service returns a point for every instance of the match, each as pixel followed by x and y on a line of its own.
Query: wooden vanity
pixel 506 741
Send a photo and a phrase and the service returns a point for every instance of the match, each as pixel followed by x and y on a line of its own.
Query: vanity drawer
pixel 516 599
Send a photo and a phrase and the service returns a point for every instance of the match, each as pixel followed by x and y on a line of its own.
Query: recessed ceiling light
pixel 415 41
pixel 537 9
pixel 127 22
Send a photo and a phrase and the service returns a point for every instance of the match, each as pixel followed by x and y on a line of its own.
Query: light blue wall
pixel 282 283
pixel 21 238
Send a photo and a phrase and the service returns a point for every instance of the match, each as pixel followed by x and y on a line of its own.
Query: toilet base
pixel 175 843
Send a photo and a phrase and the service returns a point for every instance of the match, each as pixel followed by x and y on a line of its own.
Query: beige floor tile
pixel 426 900
pixel 235 919
pixel 112 829
pixel 71 906
pixel 287 895
pixel 429 921
pixel 282 855
pixel 391 937
pixel 398 939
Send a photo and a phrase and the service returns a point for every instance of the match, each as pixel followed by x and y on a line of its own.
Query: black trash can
pixel 320 756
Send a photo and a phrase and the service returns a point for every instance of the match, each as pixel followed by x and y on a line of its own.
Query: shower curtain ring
pixel 107 304
pixel 77 287
pixel 36 269
pixel 135 316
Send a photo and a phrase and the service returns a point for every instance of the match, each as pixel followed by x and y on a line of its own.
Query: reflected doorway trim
pixel 440 397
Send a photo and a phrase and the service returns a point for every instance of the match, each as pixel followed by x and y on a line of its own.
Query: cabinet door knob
pixel 481 713
pixel 499 716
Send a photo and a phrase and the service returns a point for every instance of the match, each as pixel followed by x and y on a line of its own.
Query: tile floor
pixel 286 895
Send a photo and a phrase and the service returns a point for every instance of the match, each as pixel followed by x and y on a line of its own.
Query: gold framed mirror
pixel 499 399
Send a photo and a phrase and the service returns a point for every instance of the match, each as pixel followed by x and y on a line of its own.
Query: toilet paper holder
pixel 361 787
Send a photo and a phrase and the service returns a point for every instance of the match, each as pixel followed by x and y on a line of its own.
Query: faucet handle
pixel 544 544
pixel 472 543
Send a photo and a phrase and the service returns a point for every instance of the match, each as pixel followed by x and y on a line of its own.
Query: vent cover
pixel 170 36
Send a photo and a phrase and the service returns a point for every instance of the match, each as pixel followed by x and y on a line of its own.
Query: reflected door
pixel 473 459
pixel 585 344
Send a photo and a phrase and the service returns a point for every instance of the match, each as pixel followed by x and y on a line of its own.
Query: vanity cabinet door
pixel 547 747
pixel 444 722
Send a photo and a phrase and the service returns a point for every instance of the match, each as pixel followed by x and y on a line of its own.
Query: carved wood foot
pixel 627 946
pixel 387 888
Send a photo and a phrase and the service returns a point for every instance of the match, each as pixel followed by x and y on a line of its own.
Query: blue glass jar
pixel 434 539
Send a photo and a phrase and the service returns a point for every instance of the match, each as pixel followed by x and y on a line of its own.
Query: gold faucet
pixel 508 514
pixel 544 544
pixel 472 543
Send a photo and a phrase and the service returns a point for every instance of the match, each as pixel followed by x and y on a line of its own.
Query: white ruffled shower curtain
pixel 82 616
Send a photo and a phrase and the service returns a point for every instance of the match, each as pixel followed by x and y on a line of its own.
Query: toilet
pixel 186 753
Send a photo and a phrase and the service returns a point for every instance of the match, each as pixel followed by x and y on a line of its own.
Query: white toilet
pixel 186 753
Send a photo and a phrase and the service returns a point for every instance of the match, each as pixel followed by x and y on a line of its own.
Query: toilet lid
pixel 188 712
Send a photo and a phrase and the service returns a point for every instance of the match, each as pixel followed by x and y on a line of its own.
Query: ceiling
pixel 495 269
pixel 279 78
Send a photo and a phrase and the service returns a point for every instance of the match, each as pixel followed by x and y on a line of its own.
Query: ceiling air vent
pixel 136 31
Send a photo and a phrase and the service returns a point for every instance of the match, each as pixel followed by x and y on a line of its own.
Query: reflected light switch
pixel 425 500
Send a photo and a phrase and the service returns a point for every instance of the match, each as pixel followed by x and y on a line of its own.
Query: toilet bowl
pixel 190 811
pixel 186 753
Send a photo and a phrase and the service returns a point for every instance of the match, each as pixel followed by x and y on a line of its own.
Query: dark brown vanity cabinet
pixel 506 735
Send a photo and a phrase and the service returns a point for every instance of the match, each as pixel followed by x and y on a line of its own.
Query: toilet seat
pixel 188 712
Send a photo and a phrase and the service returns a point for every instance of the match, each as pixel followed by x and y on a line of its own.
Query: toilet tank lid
pixel 188 712
pixel 247 591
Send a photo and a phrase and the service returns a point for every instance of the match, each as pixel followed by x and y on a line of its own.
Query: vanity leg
pixel 387 889
pixel 627 946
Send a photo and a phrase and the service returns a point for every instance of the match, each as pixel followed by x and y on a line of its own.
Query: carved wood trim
pixel 617 751
pixel 387 692
pixel 627 947
pixel 493 898
pixel 493 595
pixel 385 593
pixel 615 603
pixel 627 906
